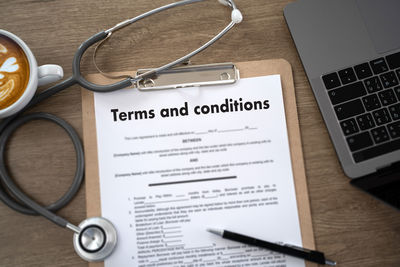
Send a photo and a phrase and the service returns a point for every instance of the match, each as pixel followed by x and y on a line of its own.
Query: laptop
pixel 350 50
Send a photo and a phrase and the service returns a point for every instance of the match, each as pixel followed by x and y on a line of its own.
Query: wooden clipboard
pixel 247 70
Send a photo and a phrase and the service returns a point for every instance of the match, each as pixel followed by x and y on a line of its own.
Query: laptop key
pixel 395 111
pixel 389 79
pixel 347 92
pixel 376 151
pixel 387 97
pixel 363 71
pixel 371 102
pixel 394 129
pixel 349 126
pixel 359 141
pixel 380 134
pixel 397 91
pixel 381 116
pixel 393 60
pixel 365 121
pixel 349 109
pixel 331 80
pixel 347 76
pixel 379 65
pixel 373 85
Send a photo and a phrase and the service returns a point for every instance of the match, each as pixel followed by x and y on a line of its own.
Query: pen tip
pixel 215 231
pixel 331 263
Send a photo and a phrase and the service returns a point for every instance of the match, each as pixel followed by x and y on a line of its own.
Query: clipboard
pixel 247 70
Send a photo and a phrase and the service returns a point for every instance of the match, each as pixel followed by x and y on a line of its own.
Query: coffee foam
pixel 14 71
pixel 3 49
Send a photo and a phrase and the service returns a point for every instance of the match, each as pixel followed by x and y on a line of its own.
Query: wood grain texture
pixel 349 226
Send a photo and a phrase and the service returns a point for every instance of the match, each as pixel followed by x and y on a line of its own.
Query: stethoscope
pixel 95 238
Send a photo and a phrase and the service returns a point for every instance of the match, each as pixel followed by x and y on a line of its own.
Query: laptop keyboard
pixel 366 100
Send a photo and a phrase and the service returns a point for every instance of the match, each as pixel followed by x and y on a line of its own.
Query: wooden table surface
pixel 350 226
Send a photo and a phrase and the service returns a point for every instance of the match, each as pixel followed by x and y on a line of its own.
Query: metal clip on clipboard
pixel 190 76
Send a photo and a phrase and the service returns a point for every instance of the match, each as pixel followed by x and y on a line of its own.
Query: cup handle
pixel 49 73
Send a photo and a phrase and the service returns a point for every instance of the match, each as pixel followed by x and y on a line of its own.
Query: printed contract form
pixel 173 163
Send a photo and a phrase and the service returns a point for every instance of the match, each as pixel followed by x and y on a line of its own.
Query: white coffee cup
pixel 38 76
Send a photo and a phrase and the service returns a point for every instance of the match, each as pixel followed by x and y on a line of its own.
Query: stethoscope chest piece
pixel 96 240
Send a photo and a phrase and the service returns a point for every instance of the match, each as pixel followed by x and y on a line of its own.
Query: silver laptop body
pixel 333 35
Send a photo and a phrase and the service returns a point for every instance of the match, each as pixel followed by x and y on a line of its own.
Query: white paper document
pixel 173 163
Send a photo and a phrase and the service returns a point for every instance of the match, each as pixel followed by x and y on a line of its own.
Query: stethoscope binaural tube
pixel 76 68
pixel 236 17
pixel 95 238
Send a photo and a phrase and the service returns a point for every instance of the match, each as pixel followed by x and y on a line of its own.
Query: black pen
pixel 295 251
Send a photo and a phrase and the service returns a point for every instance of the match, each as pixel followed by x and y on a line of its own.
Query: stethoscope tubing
pixel 10 193
pixel 29 206
pixel 18 200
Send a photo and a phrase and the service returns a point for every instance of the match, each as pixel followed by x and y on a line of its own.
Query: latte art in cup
pixel 14 71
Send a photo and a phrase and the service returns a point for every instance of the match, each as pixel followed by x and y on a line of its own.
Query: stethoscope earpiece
pixel 96 239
